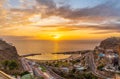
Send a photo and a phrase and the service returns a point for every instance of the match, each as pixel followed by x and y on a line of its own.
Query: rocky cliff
pixel 8 52
pixel 110 43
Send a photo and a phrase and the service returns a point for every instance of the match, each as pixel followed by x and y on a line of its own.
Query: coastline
pixel 72 55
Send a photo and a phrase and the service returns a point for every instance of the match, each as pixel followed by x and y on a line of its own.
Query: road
pixel 93 67
pixel 38 72
pixel 34 69
pixel 5 76
pixel 26 65
pixel 56 76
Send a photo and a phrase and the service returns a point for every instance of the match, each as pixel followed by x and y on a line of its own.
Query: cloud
pixel 47 14
pixel 53 20
pixel 59 29
pixel 102 27
pixel 48 3
pixel 102 32
pixel 16 37
pixel 48 8
pixel 11 18
pixel 110 8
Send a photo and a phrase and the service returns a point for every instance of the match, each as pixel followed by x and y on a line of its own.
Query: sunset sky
pixel 59 19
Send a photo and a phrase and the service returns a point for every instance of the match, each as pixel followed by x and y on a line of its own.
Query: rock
pixel 110 44
pixel 9 52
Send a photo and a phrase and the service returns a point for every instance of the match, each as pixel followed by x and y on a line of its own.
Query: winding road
pixel 93 67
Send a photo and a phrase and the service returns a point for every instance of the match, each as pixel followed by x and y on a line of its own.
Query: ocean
pixel 47 47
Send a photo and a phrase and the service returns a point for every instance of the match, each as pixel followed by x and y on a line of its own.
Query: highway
pixel 56 76
pixel 26 65
pixel 34 69
pixel 93 67
pixel 38 72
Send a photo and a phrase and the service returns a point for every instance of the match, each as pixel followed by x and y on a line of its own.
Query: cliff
pixel 110 43
pixel 9 53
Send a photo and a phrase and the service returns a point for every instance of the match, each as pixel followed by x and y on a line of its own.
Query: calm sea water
pixel 48 47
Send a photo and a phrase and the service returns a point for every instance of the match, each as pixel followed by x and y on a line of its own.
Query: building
pixel 65 69
pixel 115 61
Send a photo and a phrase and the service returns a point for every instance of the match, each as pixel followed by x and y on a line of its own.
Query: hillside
pixel 9 58
pixel 111 43
pixel 7 51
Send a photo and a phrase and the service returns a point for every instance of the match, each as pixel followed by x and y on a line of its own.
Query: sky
pixel 59 19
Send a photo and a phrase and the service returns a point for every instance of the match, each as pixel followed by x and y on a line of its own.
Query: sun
pixel 56 36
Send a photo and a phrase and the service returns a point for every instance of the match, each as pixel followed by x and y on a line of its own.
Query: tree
pixel 100 67
pixel 24 73
pixel 40 77
pixel 5 64
pixel 12 65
